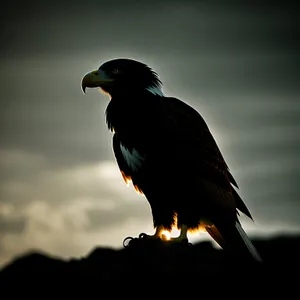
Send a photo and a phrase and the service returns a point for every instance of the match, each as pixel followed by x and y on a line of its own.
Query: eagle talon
pixel 143 235
pixel 126 242
pixel 149 237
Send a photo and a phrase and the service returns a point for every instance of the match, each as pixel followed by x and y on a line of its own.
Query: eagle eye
pixel 115 71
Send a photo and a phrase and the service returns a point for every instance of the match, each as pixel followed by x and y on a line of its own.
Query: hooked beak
pixel 96 78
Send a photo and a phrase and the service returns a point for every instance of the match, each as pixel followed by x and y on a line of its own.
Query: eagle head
pixel 121 76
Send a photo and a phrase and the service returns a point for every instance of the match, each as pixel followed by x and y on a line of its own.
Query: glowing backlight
pixel 104 93
pixel 166 235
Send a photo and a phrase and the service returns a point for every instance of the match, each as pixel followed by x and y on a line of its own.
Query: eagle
pixel 165 148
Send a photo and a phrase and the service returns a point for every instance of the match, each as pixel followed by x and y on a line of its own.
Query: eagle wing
pixel 188 140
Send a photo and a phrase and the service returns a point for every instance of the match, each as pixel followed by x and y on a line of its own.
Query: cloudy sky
pixel 60 187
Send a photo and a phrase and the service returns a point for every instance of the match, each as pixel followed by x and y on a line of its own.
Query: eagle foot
pixel 154 239
pixel 149 237
pixel 151 241
pixel 142 238
pixel 127 241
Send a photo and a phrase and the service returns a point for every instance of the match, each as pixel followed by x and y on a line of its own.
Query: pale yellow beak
pixel 94 79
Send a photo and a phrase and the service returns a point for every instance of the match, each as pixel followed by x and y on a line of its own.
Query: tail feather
pixel 248 242
pixel 240 205
pixel 215 234
pixel 235 240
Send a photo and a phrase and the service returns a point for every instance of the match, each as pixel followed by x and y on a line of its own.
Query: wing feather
pixel 126 171
pixel 190 137
pixel 193 146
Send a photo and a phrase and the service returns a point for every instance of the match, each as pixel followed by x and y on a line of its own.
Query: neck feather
pixel 156 91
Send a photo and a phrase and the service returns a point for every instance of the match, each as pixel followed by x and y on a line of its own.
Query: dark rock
pixel 152 265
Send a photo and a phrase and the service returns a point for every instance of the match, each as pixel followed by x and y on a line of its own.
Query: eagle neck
pixel 125 112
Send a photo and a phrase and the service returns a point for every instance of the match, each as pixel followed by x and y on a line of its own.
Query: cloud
pixel 11 225
pixel 168 28
pixel 66 212
pixel 33 178
pixel 47 114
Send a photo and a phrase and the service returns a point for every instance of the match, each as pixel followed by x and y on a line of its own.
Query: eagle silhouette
pixel 166 149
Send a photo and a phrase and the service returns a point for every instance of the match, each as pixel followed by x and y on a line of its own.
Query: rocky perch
pixel 157 266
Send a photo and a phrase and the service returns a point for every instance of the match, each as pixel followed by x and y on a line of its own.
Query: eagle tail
pixel 247 242
pixel 235 240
